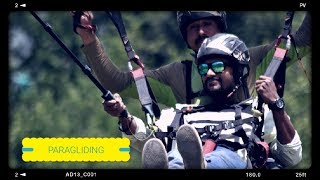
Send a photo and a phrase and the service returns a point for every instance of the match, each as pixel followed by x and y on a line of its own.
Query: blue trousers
pixel 220 158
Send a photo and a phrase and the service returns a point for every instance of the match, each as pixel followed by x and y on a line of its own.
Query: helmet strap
pixel 243 83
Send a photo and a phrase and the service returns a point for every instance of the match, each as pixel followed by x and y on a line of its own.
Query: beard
pixel 216 88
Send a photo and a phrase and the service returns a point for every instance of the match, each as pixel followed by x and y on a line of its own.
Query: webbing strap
pixel 276 65
pixel 146 96
pixel 273 68
pixel 224 125
pixel 188 66
pixel 278 56
pixel 171 130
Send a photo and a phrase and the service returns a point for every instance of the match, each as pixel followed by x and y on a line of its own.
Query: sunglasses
pixel 217 67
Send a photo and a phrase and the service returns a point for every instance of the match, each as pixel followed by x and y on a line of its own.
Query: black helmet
pixel 229 46
pixel 185 18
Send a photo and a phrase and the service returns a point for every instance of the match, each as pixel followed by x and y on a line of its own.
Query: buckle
pixel 210 128
pixel 172 135
pixel 227 125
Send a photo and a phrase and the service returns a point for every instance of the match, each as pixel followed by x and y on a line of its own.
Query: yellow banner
pixel 75 149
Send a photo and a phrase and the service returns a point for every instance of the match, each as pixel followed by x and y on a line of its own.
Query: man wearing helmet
pixel 194 27
pixel 223 63
pixel 211 22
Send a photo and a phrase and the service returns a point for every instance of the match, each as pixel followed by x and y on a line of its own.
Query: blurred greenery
pixel 49 96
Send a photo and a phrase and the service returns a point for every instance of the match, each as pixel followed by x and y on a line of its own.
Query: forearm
pixel 87 36
pixel 107 73
pixel 289 154
pixel 285 129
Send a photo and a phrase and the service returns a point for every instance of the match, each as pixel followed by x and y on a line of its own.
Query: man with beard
pixel 228 122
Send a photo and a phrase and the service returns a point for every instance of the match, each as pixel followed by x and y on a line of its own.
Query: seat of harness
pixel 239 115
pixel 233 121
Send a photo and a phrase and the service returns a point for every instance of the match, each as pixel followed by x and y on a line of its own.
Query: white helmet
pixel 229 46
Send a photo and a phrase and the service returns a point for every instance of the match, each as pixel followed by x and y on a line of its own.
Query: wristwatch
pixel 277 105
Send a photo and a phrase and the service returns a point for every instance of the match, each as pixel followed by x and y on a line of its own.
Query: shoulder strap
pixel 188 65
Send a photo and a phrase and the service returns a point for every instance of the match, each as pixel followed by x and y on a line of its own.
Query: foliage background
pixel 49 96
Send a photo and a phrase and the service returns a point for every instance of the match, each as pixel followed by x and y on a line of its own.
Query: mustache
pixel 200 39
pixel 209 80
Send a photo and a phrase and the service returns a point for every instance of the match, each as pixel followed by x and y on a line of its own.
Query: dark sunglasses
pixel 217 67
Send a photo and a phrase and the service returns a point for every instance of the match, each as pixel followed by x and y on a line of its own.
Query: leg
pixel 175 159
pixel 223 158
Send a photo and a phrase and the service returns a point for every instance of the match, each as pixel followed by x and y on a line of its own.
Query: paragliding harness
pixel 257 149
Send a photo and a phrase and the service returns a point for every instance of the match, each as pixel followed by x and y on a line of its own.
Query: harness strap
pixel 212 132
pixel 258 152
pixel 233 146
pixel 188 65
pixel 224 125
pixel 171 130
pixel 275 67
pixel 237 113
pixel 258 149
pixel 146 96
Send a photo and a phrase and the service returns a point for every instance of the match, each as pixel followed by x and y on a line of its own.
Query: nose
pixel 202 31
pixel 211 73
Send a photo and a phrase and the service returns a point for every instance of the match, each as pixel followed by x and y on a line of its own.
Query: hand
pixel 85 19
pixel 266 88
pixel 115 106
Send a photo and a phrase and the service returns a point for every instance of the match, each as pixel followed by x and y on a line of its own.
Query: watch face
pixel 280 103
pixel 277 105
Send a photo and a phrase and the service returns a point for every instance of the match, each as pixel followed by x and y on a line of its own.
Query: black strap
pixel 146 96
pixel 171 130
pixel 225 125
pixel 280 77
pixel 188 65
pixel 288 24
pixel 277 66
pixel 233 146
